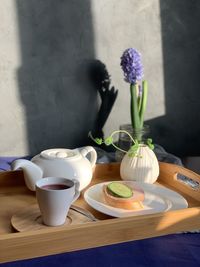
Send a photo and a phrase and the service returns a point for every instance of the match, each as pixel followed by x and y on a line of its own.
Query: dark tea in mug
pixel 55 186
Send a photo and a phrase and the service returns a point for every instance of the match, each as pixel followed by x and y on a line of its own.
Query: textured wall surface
pixel 122 24
pixel 47 99
pixel 179 129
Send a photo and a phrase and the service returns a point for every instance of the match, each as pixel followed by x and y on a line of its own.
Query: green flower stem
pixel 139 103
pixel 121 131
pixel 144 102
pixel 110 138
pixel 109 141
pixel 135 119
pixel 98 141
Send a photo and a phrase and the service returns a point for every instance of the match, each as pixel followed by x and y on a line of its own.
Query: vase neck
pixel 139 134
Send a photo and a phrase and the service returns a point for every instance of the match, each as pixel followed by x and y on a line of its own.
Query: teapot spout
pixel 31 171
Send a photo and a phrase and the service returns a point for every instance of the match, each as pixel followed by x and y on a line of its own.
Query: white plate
pixel 157 199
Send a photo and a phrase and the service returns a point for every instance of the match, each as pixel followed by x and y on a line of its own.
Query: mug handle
pixel 89 149
pixel 77 192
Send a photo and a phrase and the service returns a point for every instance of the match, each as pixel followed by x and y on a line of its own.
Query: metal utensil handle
pixel 84 212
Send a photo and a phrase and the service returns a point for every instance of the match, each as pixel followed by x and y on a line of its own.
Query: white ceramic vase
pixel 141 168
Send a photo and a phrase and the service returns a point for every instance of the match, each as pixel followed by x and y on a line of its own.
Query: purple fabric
pixel 5 162
pixel 168 251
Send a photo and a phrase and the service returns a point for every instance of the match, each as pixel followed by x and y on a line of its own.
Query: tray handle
pixel 181 178
pixel 188 179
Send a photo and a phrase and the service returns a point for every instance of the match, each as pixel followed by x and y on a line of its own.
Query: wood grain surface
pixel 30 219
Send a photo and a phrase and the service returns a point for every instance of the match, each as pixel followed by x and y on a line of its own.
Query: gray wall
pixel 179 129
pixel 47 99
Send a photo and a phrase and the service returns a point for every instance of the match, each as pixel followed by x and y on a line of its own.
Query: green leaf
pixel 136 143
pixel 149 143
pixel 144 102
pixel 133 150
pixel 108 141
pixel 151 146
pixel 99 141
pixel 135 119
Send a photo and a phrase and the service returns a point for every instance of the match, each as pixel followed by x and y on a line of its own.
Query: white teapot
pixel 58 162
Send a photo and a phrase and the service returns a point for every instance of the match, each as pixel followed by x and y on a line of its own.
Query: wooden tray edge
pixel 45 242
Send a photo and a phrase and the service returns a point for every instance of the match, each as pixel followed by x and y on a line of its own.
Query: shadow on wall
pixel 179 131
pixel 59 100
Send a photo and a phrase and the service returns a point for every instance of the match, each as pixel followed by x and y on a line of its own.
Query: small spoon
pixel 83 212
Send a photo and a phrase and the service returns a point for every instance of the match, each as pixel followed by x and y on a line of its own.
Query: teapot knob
pixel 61 154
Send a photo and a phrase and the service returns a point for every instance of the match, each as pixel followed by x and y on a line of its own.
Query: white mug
pixel 55 196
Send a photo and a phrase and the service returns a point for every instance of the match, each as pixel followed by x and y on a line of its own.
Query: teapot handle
pixel 89 149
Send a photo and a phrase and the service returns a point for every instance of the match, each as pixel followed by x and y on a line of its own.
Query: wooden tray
pixel 15 196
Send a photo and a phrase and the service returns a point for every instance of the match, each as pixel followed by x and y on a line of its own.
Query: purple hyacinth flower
pixel 131 65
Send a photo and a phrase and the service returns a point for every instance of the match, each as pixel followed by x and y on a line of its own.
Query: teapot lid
pixel 59 153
